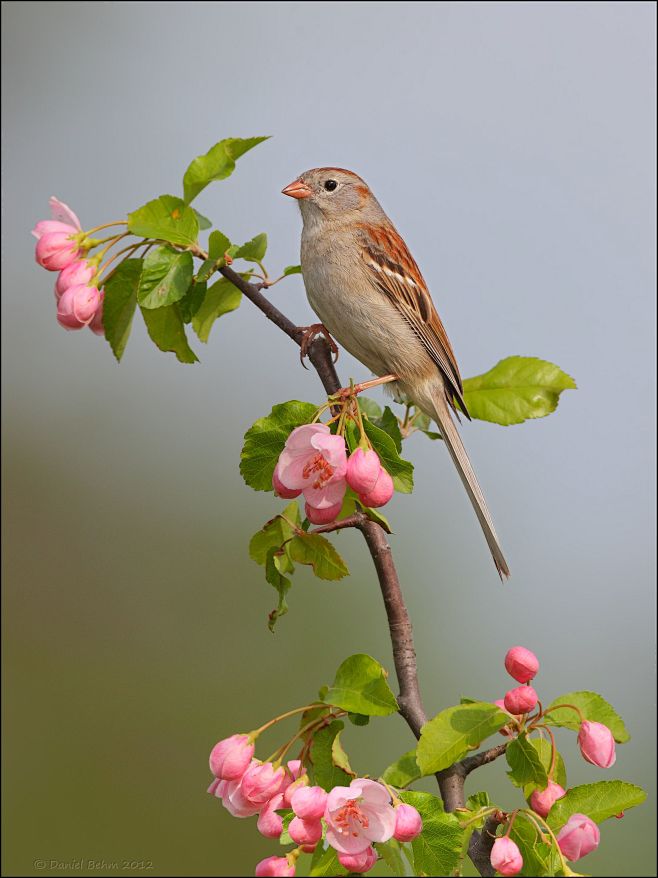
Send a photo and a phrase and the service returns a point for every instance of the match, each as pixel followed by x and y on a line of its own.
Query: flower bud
pixel 408 823
pixel 578 837
pixel 305 831
pixel 47 227
pixel 274 867
pixel 322 516
pixel 505 731
pixel 78 272
pixel 230 758
pixel 520 700
pixel 381 493
pixel 56 250
pixel 506 857
pixel 541 801
pixel 363 469
pixel 521 664
pixel 270 824
pixel 597 744
pixel 309 802
pixel 361 862
pixel 96 324
pixel 280 489
pixel 78 306
pixel 261 781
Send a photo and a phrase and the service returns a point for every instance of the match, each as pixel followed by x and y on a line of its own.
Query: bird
pixel 366 288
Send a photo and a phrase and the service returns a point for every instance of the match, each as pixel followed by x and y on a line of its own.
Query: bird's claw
pixel 310 334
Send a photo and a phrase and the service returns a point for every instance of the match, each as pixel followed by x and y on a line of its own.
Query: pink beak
pixel 297 189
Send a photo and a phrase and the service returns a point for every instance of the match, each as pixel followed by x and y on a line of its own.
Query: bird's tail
pixel 458 453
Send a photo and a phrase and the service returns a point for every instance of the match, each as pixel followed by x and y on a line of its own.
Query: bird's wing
pixel 394 272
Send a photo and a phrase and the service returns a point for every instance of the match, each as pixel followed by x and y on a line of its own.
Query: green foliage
pixel 403 771
pixel 264 441
pixel 254 250
pixel 525 763
pixel 325 863
pixel 599 801
pixel 325 770
pixel 166 277
pixel 316 551
pixel 539 855
pixel 166 218
pixel 221 298
pixel 594 708
pixel 360 686
pixel 400 470
pixel 544 751
pixel 369 407
pixel 276 564
pixel 391 852
pixel 453 732
pixel 292 269
pixel 516 389
pixel 192 300
pixel 166 328
pixel 204 222
pixel 438 849
pixel 275 533
pixel 119 304
pixel 218 245
pixel 217 164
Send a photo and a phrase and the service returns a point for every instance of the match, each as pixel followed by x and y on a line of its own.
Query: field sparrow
pixel 367 290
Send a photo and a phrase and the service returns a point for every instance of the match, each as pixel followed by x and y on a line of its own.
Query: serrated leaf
pixel 264 441
pixel 166 329
pixel 217 164
pixel 254 250
pixel 360 686
pixel 204 222
pixel 594 708
pixel 221 298
pixel 316 551
pixel 292 269
pixel 539 858
pixel 525 764
pixel 516 389
pixel 391 853
pixel 325 772
pixel 166 277
pixel 275 565
pixel 324 863
pixel 369 407
pixel 119 304
pixel 544 751
pixel 403 771
pixel 599 801
pixel 218 245
pixel 400 470
pixel 438 848
pixel 167 218
pixel 456 730
pixel 475 802
pixel 274 534
pixel 389 423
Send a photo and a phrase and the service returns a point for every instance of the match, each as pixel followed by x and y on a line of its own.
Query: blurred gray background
pixel 513 145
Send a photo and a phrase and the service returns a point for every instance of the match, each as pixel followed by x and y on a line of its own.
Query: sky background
pixel 513 144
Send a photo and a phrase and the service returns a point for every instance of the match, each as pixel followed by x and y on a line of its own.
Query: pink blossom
pixel 230 758
pixel 78 272
pixel 212 789
pixel 280 489
pixel 309 802
pixel 295 777
pixel 506 857
pixel 578 837
pixel 261 781
pixel 506 730
pixel 597 744
pixel 520 700
pixel 270 824
pixel 305 831
pixel 96 324
pixel 274 867
pixel 314 462
pixel 408 823
pixel 363 468
pixel 541 801
pixel 56 250
pixel 63 220
pixel 381 493
pixel 233 799
pixel 362 862
pixel 521 664
pixel 77 306
pixel 358 815
pixel 322 516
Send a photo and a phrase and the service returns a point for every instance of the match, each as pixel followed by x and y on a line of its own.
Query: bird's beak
pixel 297 189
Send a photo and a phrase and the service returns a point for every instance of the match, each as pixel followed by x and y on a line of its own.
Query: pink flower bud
pixel 280 489
pixel 62 220
pixel 274 867
pixel 506 857
pixel 96 324
pixel 212 789
pixel 270 824
pixel 309 848
pixel 47 227
pixel 520 700
pixel 521 664
pixel 78 306
pixel 309 802
pixel 295 768
pixel 541 801
pixel 261 781
pixel 290 789
pixel 578 837
pixel 505 731
pixel 305 831
pixel 408 823
pixel 361 862
pixel 230 758
pixel 78 272
pixel 363 469
pixel 381 493
pixel 56 250
pixel 322 516
pixel 597 744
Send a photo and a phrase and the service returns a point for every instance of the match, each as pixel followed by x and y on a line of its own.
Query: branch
pixel 470 763
pixel 479 847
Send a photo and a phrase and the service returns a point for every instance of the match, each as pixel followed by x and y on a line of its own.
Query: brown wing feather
pixel 395 272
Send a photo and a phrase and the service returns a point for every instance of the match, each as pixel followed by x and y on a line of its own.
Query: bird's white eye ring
pixel 330 185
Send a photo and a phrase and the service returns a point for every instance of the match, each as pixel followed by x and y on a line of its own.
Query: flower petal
pixel 63 213
pixel 330 494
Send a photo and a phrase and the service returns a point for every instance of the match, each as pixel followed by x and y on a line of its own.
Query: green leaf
pixel 516 389
pixel 544 751
pixel 455 731
pixel 325 863
pixel 167 218
pixel 360 686
pixel 192 300
pixel 166 277
pixel 254 250
pixel 594 708
pixel 402 772
pixel 392 855
pixel 119 304
pixel 527 767
pixel 287 818
pixel 376 516
pixel 598 801
pixel 438 848
pixel 369 407
pixel 222 297
pixel 292 269
pixel 204 222
pixel 325 772
pixel 358 719
pixel 319 553
pixel 539 858
pixel 474 804
pixel 274 534
pixel 389 423
pixel 166 328
pixel 264 441
pixel 218 245
pixel 275 566
pixel 400 470
pixel 217 164
pixel 340 757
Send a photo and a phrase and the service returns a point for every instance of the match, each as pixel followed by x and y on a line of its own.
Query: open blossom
pixel 274 867
pixel 541 801
pixel 314 462
pixel 229 792
pixel 261 781
pixel 578 837
pixel 520 700
pixel 62 220
pixel 78 305
pixel 362 862
pixel 358 815
pixel 521 664
pixel 597 744
pixel 230 758
pixel 506 857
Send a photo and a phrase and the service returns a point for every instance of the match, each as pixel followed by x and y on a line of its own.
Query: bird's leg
pixel 310 334
pixel 346 392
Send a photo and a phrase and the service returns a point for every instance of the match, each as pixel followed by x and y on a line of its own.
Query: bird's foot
pixel 315 330
pixel 346 392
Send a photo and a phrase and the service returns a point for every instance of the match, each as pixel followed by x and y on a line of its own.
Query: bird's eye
pixel 330 185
